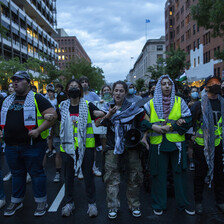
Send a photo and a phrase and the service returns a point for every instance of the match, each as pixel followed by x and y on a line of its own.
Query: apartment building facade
pixel 151 52
pixel 181 31
pixel 29 26
pixel 69 49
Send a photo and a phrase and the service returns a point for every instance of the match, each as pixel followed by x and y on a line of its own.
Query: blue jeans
pixel 23 159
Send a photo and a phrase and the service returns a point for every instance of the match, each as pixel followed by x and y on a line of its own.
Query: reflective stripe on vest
pixel 90 139
pixel 218 134
pixel 40 120
pixel 175 114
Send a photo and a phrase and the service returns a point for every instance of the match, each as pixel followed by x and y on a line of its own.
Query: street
pixel 55 194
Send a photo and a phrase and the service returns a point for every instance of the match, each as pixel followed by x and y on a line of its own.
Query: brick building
pixel 182 31
pixel 69 48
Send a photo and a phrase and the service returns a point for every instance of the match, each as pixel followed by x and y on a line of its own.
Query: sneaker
pixel 112 214
pixel 7 177
pixel 28 178
pixel 221 207
pixel 136 212
pixel 191 166
pixel 2 203
pixel 12 208
pixel 158 211
pixel 198 208
pixel 57 177
pixel 68 209
pixel 41 208
pixel 80 175
pixel 96 171
pixel 189 210
pixel 92 210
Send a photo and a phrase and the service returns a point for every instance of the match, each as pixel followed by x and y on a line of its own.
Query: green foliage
pixel 8 69
pixel 209 14
pixel 81 67
pixel 174 65
pixel 220 54
pixel 158 69
pixel 140 83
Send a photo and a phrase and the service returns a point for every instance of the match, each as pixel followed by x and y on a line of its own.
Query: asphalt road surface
pixel 55 201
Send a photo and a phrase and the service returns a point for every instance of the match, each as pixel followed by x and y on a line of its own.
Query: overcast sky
pixel 112 32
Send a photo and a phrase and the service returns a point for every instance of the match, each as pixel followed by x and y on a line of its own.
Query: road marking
pixel 57 200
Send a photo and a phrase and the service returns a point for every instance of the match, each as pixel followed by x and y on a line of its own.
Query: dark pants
pixel 68 165
pixel 201 169
pixel 23 159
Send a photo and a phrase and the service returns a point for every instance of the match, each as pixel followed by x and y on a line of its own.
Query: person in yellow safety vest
pixel 169 119
pixel 207 117
pixel 77 144
pixel 25 131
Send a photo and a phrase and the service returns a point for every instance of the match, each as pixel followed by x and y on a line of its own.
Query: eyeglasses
pixel 17 79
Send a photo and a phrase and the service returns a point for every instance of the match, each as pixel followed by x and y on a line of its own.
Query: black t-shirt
pixel 15 133
pixel 74 111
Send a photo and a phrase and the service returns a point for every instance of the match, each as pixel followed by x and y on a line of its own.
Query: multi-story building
pixel 183 32
pixel 29 26
pixel 69 48
pixel 151 52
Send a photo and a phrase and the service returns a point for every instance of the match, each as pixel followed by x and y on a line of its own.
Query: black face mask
pixel 216 89
pixel 222 88
pixel 74 92
pixel 152 92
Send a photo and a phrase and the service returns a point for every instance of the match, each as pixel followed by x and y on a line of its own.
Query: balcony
pixel 16 45
pixel 6 19
pixel 7 42
pixel 24 49
pixel 15 25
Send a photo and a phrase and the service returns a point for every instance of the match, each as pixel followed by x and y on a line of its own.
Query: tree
pixel 175 63
pixel 140 83
pixel 8 69
pixel 158 69
pixel 209 14
pixel 80 67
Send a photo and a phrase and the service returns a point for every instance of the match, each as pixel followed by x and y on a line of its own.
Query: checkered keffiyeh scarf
pixel 66 131
pixel 29 111
pixel 209 135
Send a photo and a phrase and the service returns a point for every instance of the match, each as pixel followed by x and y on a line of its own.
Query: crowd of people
pixel 180 128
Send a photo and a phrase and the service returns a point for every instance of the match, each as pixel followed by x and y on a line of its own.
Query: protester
pixel 131 97
pixel 185 95
pixel 121 116
pixel 194 98
pixel 10 89
pixel 59 87
pixel 76 135
pixel 2 193
pixel 55 130
pixel 169 118
pixel 208 124
pixel 91 97
pixel 25 132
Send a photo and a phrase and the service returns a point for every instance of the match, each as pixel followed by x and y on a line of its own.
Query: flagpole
pixel 146 31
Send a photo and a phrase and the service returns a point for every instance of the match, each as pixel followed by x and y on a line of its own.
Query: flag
pixel 182 77
pixel 147 20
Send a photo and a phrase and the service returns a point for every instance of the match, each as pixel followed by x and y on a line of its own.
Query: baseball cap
pixel 211 77
pixel 50 87
pixel 21 75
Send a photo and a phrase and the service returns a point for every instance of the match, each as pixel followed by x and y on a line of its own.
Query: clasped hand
pixel 161 129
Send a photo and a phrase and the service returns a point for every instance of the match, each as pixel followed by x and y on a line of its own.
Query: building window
pixel 188 34
pixel 187 19
pixel 159 47
pixel 188 49
pixel 171 35
pixel 194 62
pixel 182 10
pixel 63 57
pixel 59 57
pixel 194 45
pixel 177 16
pixel 206 57
pixel 56 50
pixel 198 60
pixel 198 43
pixel 182 38
pixel 182 23
pixel 194 29
pixel 62 50
pixel 171 11
pixel 207 38
pixel 171 23
pixel 178 29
